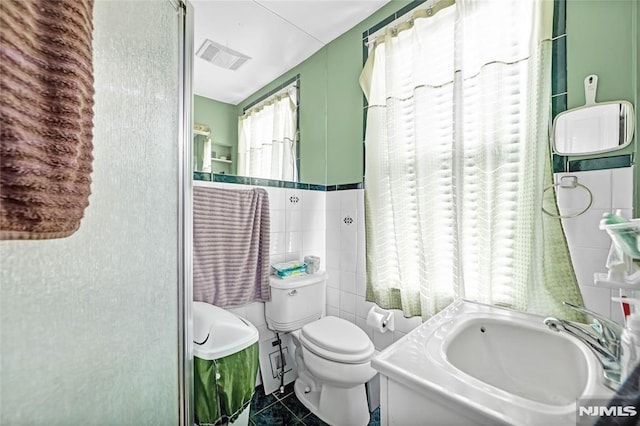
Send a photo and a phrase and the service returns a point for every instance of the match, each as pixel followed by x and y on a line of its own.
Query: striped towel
pixel 230 246
pixel 46 117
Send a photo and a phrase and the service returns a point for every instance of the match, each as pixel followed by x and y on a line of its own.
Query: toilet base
pixel 333 405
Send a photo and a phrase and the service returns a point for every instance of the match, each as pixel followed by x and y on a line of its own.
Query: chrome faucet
pixel 602 336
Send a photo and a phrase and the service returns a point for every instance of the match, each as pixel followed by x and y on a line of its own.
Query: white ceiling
pixel 276 34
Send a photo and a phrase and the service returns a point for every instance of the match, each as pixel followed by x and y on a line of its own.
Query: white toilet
pixel 333 355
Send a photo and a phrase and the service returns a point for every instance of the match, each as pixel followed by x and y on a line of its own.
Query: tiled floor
pixel 285 409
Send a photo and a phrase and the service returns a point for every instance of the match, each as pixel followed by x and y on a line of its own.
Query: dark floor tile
pixel 295 406
pixel 274 415
pixel 261 401
pixel 374 418
pixel 312 420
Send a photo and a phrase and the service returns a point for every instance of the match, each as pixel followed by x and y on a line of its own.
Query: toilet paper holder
pixel 381 319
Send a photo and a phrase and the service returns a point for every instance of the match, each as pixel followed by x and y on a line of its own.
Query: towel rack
pixel 569 182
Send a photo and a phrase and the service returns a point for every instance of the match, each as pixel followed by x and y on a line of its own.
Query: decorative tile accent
pixel 559 71
pixel 559 66
pixel 365 53
pixel 346 186
pixel 202 176
pixel 559 17
pixel 266 182
pixel 601 163
pixel 559 163
pixel 243 180
pixel 558 104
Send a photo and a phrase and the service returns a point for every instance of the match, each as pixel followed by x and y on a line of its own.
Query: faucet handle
pixel 597 326
pixel 608 333
pixel 604 326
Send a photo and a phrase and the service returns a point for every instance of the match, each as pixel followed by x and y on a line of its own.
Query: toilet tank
pixel 295 301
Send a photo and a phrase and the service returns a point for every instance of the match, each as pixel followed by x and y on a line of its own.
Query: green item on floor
pixel 224 387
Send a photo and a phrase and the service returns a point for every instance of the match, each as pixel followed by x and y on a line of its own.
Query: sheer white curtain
pixel 267 138
pixel 456 141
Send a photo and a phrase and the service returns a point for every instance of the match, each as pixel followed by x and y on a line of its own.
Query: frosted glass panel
pixel 89 323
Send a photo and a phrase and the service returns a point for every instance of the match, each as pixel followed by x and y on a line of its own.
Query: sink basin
pixel 476 364
pixel 522 360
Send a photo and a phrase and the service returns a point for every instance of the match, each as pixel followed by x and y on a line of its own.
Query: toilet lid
pixel 338 340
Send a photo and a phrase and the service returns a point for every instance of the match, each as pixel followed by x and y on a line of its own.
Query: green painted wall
pixel 603 39
pixel 599 42
pixel 313 114
pixel 222 118
pixel 344 112
pixel 331 106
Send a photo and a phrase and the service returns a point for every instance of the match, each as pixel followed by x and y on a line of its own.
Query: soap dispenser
pixel 630 338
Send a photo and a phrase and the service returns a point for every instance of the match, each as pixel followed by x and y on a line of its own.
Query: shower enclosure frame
pixel 185 217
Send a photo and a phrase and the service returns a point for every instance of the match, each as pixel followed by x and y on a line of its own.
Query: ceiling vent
pixel 221 55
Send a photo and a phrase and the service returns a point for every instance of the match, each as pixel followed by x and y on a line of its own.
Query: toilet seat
pixel 337 340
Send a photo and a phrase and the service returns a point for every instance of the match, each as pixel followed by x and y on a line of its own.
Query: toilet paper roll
pixel 376 321
pixel 313 264
pixel 380 319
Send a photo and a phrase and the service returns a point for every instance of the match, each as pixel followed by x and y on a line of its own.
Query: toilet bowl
pixel 333 357
pixel 332 354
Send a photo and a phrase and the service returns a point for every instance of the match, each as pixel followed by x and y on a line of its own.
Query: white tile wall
pixel 330 225
pixel 589 246
pixel 346 266
pixel 298 222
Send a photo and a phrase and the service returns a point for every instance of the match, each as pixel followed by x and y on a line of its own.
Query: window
pixel 267 136
pixel 456 143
